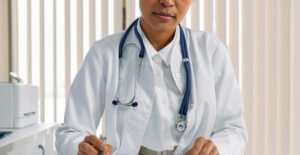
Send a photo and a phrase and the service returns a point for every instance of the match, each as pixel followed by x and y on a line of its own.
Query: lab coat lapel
pixel 138 120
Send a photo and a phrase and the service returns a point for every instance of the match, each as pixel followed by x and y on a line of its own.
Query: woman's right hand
pixel 92 145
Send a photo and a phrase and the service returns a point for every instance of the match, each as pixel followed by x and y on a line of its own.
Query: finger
pixel 214 151
pixel 80 153
pixel 208 146
pixel 198 145
pixel 87 148
pixel 109 149
pixel 96 142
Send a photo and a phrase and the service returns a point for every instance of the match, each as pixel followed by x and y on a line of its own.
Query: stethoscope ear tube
pixel 122 42
pixel 116 102
pixel 142 51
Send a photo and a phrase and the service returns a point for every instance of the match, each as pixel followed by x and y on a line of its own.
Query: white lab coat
pixel 215 109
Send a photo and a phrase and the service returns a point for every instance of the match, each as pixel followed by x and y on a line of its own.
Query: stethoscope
pixel 181 122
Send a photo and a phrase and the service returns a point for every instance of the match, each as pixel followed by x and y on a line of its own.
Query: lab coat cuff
pixel 72 148
pixel 222 147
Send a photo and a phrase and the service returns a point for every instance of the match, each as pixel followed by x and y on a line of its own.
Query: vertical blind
pixel 271 75
pixel 51 37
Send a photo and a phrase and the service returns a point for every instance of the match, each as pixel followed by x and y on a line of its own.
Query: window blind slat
pixel 48 60
pixel 98 18
pixel 271 74
pixel 259 73
pixel 195 15
pixel 29 62
pixel 221 20
pixel 202 14
pixel 5 12
pixel 284 76
pixel 42 62
pixel 295 70
pixel 60 61
pixel 67 30
pixel 22 40
pixel 130 11
pixel 54 63
pixel 104 18
pixel 92 23
pixel 15 36
pixel 79 33
pixel 248 72
pixel 208 15
pixel 233 41
pixel 118 15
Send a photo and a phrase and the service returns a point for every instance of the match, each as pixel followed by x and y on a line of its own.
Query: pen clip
pixel 103 138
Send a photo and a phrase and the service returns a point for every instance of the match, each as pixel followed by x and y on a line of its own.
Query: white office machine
pixel 18 105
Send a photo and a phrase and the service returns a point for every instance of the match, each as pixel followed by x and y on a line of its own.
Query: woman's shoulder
pixel 202 37
pixel 109 41
pixel 106 46
pixel 204 45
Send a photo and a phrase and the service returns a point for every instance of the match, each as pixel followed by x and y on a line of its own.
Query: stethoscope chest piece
pixel 181 126
pixel 181 123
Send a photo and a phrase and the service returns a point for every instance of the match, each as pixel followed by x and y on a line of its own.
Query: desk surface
pixel 18 134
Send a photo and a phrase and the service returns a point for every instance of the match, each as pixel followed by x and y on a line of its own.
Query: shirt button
pixel 177 75
pixel 192 105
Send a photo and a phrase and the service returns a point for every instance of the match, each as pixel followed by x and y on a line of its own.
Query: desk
pixel 29 140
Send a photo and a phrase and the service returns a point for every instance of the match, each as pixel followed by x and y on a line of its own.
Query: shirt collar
pixel 165 53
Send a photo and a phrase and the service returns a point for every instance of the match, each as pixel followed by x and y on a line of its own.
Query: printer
pixel 18 105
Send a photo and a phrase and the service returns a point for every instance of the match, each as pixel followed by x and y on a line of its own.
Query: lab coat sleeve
pixel 229 131
pixel 84 106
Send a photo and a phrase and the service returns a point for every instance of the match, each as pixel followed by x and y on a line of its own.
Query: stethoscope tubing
pixel 141 55
pixel 185 58
pixel 186 62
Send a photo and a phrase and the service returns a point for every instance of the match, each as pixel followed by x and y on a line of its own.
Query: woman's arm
pixel 229 132
pixel 85 105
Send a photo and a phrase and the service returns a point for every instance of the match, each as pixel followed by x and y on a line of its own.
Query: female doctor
pixel 165 90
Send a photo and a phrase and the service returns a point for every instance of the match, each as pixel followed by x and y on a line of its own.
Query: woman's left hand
pixel 203 146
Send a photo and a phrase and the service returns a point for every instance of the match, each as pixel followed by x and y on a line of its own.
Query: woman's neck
pixel 158 39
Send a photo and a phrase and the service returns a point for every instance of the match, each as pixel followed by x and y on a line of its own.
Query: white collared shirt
pixel 169 77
